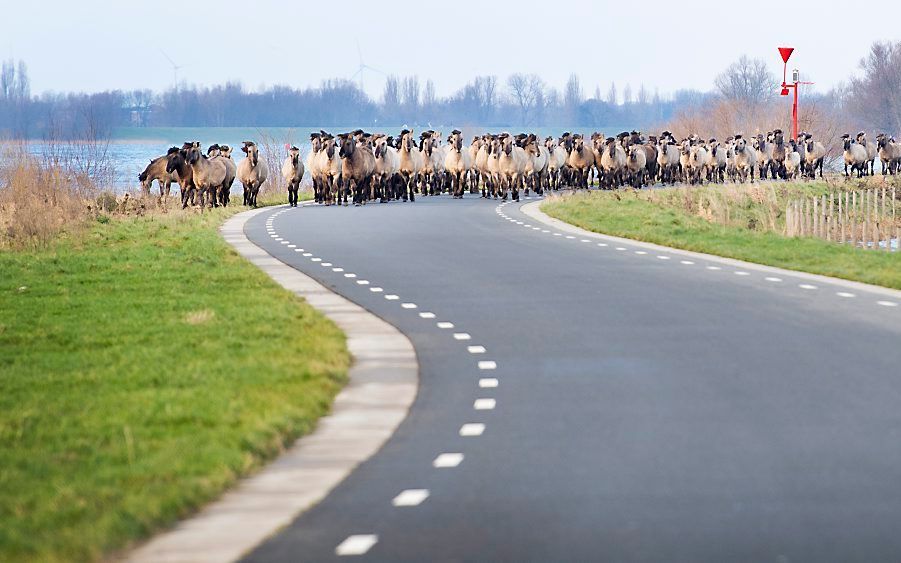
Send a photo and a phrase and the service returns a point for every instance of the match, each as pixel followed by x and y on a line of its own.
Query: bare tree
pixel 643 97
pixel 429 98
pixel 875 97
pixel 527 91
pixel 486 95
pixel 611 94
pixel 572 98
pixel 23 84
pixel 747 80
pixel 627 94
pixel 572 95
pixel 410 99
pixel 391 95
pixel 7 79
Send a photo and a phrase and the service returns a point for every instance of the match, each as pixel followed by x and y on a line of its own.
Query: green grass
pixel 144 368
pixel 633 215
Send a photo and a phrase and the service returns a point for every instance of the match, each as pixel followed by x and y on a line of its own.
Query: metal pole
pixel 795 115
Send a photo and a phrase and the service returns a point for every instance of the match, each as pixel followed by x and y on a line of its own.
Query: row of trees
pixel 522 100
pixel 872 100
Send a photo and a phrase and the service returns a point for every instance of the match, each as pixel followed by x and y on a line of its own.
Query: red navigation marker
pixel 786 52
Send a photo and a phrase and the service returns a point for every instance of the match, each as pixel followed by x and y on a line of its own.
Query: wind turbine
pixel 175 68
pixel 363 66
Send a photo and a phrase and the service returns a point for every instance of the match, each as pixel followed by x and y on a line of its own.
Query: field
pixel 742 222
pixel 144 368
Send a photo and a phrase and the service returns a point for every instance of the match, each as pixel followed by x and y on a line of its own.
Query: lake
pixel 131 149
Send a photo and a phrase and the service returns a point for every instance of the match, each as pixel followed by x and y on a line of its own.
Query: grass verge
pixel 650 219
pixel 144 367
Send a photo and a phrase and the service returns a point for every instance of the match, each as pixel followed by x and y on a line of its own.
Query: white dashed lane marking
pixel 376 289
pixel 445 324
pixel 461 336
pixel 357 544
pixel 350 275
pixel 487 364
pixel 316 259
pixel 475 349
pixel 391 297
pixel 472 429
pixel 408 305
pixel 448 460
pixel 363 282
pixel 411 497
pixel 427 315
pixel 484 404
pixel 843 294
pixel 326 264
pixel 488 383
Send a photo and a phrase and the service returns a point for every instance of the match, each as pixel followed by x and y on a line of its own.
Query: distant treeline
pixel 522 100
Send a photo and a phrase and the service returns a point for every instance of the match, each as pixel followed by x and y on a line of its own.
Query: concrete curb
pixel 533 210
pixel 382 385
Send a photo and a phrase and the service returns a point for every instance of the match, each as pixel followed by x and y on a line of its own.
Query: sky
pixel 94 45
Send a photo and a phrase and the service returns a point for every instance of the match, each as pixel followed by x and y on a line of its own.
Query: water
pixel 131 149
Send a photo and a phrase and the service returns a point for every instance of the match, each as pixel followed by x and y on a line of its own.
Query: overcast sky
pixel 95 45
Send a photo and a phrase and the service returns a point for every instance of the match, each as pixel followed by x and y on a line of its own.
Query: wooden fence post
pixel 841 221
pixel 816 219
pixel 866 219
pixel 852 219
pixel 831 234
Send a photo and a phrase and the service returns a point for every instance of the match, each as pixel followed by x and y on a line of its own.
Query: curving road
pixel 592 403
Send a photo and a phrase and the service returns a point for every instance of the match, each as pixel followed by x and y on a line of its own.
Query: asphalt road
pixel 646 409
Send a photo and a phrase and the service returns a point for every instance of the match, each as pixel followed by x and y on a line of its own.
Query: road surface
pixel 599 401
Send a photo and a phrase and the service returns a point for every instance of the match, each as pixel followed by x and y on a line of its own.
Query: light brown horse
pixel 156 171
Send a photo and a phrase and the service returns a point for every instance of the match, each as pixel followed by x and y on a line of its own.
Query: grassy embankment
pixel 144 367
pixel 742 222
